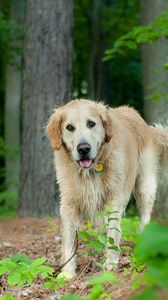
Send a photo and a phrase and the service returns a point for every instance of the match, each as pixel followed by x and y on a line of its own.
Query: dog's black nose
pixel 83 148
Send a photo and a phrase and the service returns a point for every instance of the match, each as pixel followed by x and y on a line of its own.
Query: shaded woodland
pixel 55 51
pixel 115 51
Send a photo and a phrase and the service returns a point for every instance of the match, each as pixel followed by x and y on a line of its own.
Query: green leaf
pixel 21 258
pixel 48 284
pixel 110 240
pixel 29 278
pixel 83 235
pixel 147 294
pixel 96 245
pixel 92 232
pixel 103 278
pixel 8 296
pixel 70 297
pixel 14 278
pixel 22 281
pixel 89 225
pixel 157 273
pixel 8 264
pixel 107 58
pixel 131 45
pixel 3 270
pixel 135 285
pixel 115 248
pixel 37 262
pixel 118 44
pixel 46 269
pixel 152 242
pixel 166 65
pixel 95 293
pixel 102 239
pixel 44 275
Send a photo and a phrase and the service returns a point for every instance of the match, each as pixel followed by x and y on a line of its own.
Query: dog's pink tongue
pixel 85 163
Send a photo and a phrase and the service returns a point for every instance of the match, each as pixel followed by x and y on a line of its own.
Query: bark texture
pixel 155 80
pixel 155 77
pixel 47 84
pixel 97 68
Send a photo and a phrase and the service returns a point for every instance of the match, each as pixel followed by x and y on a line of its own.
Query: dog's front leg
pixel 70 223
pixel 113 231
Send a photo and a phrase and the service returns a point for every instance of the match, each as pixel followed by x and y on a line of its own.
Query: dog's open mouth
pixel 85 163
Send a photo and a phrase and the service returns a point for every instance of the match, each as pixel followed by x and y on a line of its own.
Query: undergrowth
pixel 148 266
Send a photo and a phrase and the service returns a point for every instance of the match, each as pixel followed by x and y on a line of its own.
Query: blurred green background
pixel 131 71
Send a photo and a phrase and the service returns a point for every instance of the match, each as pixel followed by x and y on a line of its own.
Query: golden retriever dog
pixel 86 135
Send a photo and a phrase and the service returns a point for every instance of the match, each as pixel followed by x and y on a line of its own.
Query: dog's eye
pixel 70 127
pixel 90 124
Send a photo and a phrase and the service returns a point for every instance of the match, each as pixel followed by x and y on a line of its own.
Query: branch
pixel 75 247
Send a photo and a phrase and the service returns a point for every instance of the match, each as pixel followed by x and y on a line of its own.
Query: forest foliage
pixel 140 35
pixel 106 65
pixel 148 268
pixel 94 31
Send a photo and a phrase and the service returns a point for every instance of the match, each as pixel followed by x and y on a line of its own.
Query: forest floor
pixel 41 237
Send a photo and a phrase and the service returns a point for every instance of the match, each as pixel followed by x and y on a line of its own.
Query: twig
pixel 75 247
pixel 85 268
pixel 127 243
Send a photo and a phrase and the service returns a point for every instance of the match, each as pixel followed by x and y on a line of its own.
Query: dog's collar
pixel 99 167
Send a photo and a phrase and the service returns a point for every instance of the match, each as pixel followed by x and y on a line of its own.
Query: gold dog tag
pixel 99 168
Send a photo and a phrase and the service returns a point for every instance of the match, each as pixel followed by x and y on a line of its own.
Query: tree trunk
pixel 12 105
pixel 97 68
pixel 47 84
pixel 155 82
pixel 155 77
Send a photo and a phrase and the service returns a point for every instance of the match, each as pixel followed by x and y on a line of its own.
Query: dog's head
pixel 82 127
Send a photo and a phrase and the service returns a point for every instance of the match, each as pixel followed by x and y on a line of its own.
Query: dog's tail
pixel 160 136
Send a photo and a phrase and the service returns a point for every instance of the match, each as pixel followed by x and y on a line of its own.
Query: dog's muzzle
pixel 84 150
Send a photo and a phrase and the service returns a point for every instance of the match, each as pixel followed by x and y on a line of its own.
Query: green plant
pixel 54 283
pixel 21 270
pixel 71 297
pixel 138 35
pixel 152 250
pixel 97 288
pixel 8 296
pixel 95 238
pixel 129 228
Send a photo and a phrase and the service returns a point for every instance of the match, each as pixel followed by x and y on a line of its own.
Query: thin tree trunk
pixel 12 105
pixel 155 82
pixel 97 71
pixel 47 84
pixel 155 77
pixel 93 47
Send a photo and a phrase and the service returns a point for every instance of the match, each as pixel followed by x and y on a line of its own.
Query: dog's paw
pixel 111 260
pixel 69 269
pixel 108 266
pixel 65 275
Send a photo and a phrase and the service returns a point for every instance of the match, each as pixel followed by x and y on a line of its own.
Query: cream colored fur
pixel 125 145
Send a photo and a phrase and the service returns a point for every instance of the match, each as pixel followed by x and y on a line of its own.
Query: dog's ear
pixel 53 129
pixel 106 120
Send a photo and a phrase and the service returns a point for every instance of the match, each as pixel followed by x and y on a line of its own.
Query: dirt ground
pixel 41 237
